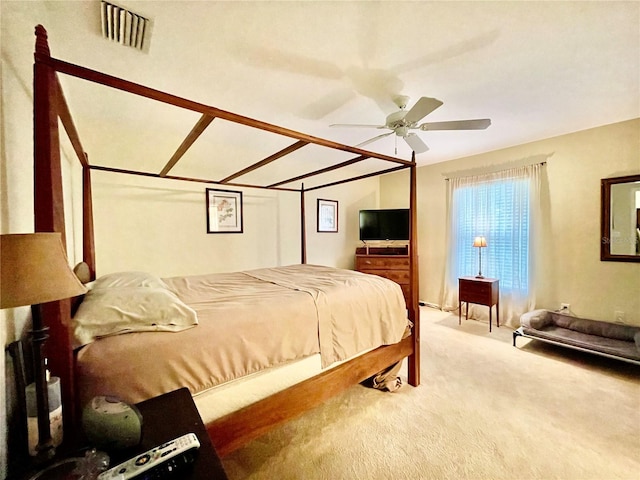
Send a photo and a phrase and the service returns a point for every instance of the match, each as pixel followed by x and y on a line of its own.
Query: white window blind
pixel 498 210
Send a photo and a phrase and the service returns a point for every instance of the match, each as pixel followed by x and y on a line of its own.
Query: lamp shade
pixel 34 270
pixel 479 242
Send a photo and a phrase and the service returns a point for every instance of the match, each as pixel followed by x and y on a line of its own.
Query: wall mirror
pixel 620 219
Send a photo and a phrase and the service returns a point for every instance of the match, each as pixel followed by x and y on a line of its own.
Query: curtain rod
pixel 523 162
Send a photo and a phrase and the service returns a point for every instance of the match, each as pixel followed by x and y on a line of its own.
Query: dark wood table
pixel 164 418
pixel 482 291
pixel 169 416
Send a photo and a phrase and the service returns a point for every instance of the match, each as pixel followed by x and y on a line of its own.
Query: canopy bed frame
pixel 237 428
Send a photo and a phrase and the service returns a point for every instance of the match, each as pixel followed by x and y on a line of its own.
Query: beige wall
pixel 160 226
pixel 572 270
pixel 16 181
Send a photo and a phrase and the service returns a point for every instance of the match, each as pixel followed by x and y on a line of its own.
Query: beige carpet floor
pixel 484 410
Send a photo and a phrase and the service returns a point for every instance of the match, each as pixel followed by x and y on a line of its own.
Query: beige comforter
pixel 247 321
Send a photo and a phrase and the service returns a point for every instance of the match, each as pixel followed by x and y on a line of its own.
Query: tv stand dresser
pixel 389 262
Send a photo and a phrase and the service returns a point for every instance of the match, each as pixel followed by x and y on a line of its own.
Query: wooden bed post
pixel 88 236
pixel 49 217
pixel 303 234
pixel 414 308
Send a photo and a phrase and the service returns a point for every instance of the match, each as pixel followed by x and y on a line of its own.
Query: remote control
pixel 157 462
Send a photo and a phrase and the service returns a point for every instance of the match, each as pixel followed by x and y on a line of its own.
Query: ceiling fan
pixel 402 121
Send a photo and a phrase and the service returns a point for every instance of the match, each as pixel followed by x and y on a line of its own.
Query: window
pixel 498 210
pixel 504 208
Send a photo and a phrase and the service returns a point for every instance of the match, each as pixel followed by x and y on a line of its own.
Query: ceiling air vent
pixel 125 27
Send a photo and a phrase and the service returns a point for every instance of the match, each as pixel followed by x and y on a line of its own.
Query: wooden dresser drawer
pixel 475 288
pixel 395 267
pixel 481 291
pixel 406 292
pixel 475 297
pixel 381 262
pixel 398 276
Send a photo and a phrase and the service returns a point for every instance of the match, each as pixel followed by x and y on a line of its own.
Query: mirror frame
pixel 605 220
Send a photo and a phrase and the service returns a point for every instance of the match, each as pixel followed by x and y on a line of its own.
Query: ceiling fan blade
pixel 356 125
pixel 478 124
pixel 371 140
pixel 416 143
pixel 422 108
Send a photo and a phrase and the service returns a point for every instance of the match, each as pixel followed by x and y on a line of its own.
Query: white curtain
pixel 504 207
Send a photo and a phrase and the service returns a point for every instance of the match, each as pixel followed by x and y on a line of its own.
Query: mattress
pixel 300 317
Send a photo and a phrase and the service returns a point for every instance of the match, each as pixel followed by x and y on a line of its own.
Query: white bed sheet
pixel 221 400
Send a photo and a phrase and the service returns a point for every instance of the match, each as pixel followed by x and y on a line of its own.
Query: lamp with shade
pixel 480 242
pixel 34 270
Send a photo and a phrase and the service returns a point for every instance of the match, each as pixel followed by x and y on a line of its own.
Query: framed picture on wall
pixel 224 211
pixel 327 215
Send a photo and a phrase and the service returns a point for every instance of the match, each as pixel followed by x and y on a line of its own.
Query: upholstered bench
pixel 603 338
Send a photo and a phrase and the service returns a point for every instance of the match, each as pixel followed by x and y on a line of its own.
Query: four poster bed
pixel 349 361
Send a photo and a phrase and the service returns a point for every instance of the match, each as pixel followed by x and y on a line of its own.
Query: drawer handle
pixel 368 262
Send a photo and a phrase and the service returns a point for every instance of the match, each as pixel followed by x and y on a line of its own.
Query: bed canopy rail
pixel 237 428
pixel 209 114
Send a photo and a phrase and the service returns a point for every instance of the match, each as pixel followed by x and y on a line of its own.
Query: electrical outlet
pixel 565 307
pixel 619 316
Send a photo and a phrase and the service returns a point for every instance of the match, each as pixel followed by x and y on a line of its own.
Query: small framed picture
pixel 224 211
pixel 327 215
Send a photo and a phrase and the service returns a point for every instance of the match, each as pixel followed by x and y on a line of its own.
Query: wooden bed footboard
pixel 238 428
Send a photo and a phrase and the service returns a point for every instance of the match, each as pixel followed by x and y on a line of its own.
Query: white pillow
pixel 112 311
pixel 128 279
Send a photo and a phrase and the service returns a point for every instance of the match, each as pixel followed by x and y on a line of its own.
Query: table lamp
pixel 480 242
pixel 34 270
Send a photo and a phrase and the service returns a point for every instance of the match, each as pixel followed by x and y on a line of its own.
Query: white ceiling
pixel 536 69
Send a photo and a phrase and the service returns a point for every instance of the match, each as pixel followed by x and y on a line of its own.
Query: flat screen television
pixel 389 224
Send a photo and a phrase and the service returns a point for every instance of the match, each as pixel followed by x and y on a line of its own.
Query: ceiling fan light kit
pixel 403 121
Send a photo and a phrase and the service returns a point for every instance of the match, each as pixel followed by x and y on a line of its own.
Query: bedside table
pixel 164 418
pixel 169 416
pixel 482 291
